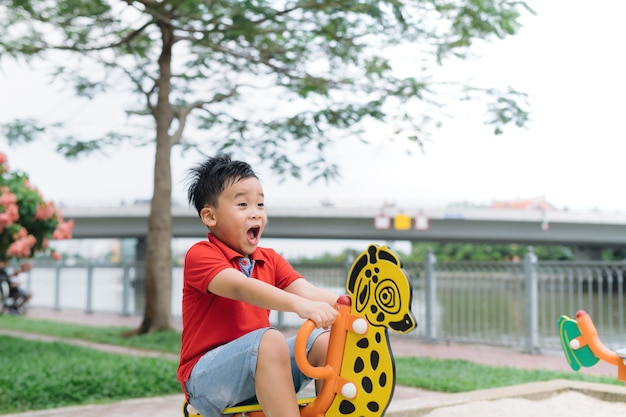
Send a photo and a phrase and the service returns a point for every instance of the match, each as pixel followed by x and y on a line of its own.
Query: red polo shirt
pixel 210 320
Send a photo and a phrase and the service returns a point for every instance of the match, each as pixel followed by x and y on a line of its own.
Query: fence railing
pixel 515 304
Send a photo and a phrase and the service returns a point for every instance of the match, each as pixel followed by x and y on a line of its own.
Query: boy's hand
pixel 320 312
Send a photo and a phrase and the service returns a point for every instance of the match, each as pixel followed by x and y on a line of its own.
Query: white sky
pixel 569 59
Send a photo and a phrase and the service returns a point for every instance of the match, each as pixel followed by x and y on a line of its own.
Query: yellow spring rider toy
pixel 359 374
pixel 583 347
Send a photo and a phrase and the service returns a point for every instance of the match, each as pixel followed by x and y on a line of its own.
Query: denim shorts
pixel 224 376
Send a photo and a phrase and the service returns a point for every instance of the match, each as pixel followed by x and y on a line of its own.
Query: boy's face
pixel 239 218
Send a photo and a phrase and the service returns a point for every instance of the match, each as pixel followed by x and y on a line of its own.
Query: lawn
pixel 38 375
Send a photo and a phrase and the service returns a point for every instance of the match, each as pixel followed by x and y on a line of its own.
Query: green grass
pixel 37 375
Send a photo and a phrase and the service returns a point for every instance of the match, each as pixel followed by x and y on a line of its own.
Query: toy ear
pixel 356 269
pixel 389 256
pixel 358 266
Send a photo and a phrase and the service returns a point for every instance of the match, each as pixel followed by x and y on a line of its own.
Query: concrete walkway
pixel 407 401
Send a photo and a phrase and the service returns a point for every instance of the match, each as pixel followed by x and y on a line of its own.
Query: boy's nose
pixel 256 213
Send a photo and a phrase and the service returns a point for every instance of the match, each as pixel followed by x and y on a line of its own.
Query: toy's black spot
pixel 367 385
pixel 378 337
pixel 372 406
pixel 358 365
pixel 382 379
pixel 346 407
pixel 363 295
pixel 377 270
pixel 368 273
pixel 375 279
pixel 371 251
pixel 363 343
pixel 380 317
pixel 373 309
pixel 374 359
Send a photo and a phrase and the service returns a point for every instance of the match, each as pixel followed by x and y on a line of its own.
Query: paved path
pixel 401 345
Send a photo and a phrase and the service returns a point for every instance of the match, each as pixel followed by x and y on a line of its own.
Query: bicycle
pixel 7 302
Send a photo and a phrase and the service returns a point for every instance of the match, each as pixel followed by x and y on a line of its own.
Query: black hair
pixel 210 178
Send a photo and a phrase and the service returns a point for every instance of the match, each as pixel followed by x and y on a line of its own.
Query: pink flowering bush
pixel 27 222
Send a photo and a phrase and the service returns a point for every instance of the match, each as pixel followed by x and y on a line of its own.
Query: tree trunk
pixel 158 308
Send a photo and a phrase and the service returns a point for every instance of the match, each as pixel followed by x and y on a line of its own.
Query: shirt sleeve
pixel 203 262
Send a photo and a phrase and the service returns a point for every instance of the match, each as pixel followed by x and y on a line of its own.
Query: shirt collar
pixel 232 254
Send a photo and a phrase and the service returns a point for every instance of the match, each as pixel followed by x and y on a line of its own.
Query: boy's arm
pixel 231 283
pixel 305 289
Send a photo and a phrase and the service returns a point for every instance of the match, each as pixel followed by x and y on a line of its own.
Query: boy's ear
pixel 207 215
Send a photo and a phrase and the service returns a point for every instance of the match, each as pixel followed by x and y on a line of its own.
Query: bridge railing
pixel 515 304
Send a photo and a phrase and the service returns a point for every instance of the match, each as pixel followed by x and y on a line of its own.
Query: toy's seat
pixel 252 410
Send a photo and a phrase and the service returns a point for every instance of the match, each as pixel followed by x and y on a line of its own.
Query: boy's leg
pixel 224 376
pixel 228 375
pixel 316 348
pixel 274 383
pixel 317 356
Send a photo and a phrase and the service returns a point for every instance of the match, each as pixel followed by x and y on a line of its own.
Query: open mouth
pixel 253 233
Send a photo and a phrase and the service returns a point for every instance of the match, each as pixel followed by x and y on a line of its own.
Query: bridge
pixel 478 225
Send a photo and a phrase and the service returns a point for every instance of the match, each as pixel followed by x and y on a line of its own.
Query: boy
pixel 230 354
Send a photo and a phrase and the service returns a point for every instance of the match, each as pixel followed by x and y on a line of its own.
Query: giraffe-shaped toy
pixel 379 299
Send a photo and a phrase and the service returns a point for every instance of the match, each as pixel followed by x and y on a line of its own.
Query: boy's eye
pixel 261 204
pixel 243 204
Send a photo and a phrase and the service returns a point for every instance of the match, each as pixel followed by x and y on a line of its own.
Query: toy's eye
pixel 387 296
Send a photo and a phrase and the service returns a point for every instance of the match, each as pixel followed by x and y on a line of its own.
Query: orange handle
pixel 315 372
pixel 590 337
pixel 334 357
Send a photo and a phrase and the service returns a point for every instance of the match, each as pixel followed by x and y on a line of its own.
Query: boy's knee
pixel 273 346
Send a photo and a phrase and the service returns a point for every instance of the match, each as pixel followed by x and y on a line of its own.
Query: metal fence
pixel 515 304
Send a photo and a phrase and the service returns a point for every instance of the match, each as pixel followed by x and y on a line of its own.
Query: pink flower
pixel 45 211
pixel 13 213
pixel 22 247
pixel 63 230
pixel 5 220
pixel 6 196
pixel 23 235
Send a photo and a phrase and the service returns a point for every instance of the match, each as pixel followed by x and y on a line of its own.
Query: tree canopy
pixel 319 67
pixel 279 80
